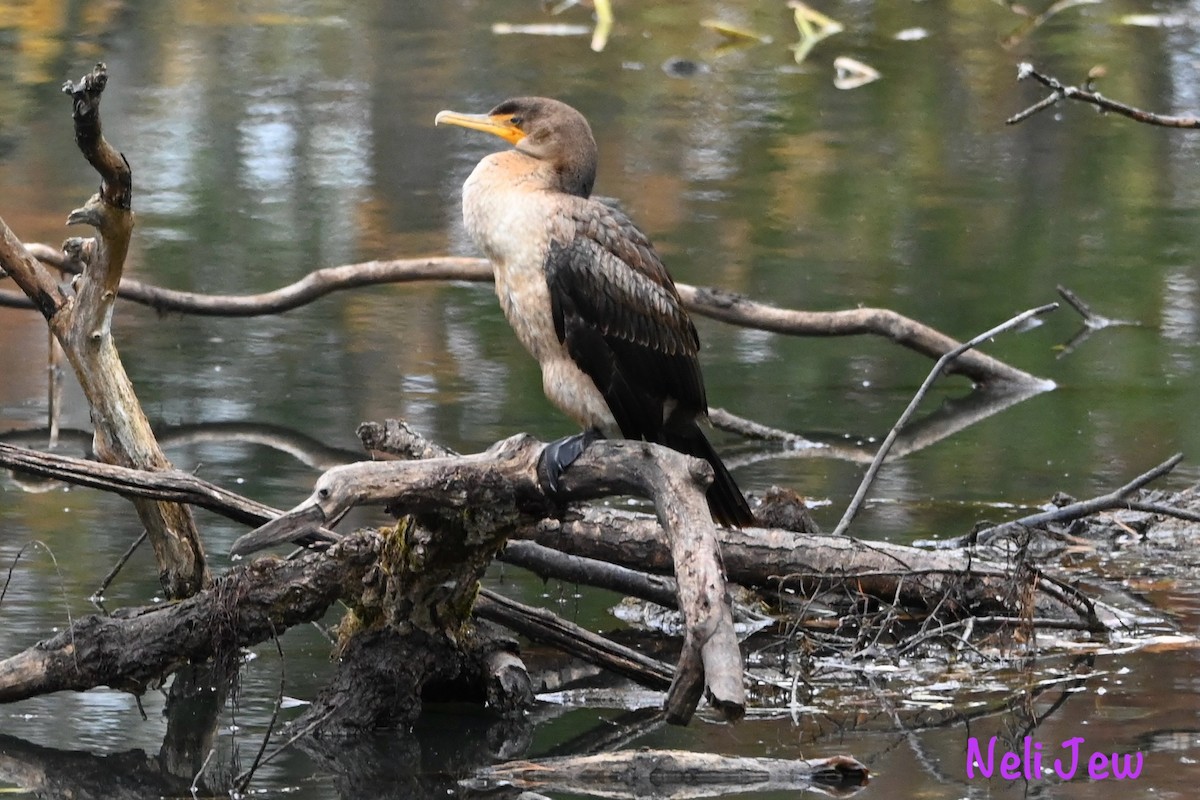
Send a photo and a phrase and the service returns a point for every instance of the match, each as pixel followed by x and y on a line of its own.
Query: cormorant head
pixel 548 130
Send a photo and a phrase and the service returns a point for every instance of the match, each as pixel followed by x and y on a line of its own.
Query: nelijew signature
pixel 1034 762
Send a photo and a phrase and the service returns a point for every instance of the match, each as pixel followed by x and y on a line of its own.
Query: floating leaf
pixel 734 33
pixel 604 21
pixel 813 26
pixel 541 29
pixel 1153 20
pixel 852 74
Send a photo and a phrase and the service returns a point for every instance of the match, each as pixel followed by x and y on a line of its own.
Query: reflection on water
pixel 267 143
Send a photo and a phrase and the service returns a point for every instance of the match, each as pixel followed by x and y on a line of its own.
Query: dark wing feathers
pixel 619 316
pixel 617 311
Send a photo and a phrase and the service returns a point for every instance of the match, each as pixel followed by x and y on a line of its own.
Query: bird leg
pixel 560 454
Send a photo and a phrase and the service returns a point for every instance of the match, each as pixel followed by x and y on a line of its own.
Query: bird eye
pixel 515 120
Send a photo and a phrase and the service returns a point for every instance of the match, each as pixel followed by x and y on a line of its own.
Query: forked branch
pixel 1059 91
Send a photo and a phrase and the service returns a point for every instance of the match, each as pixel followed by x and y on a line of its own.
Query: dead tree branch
pixel 718 304
pixel 777 561
pixel 1092 321
pixel 739 310
pixel 542 626
pixel 167 486
pixel 769 560
pixel 1114 499
pixel 82 325
pixel 141 647
pixel 1060 92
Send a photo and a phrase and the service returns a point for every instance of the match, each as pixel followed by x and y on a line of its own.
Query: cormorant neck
pixel 576 175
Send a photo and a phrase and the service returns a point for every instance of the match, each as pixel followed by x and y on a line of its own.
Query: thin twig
pixel 98 595
pixel 195 787
pixel 1163 509
pixel 307 729
pixel 873 470
pixel 749 429
pixel 1090 318
pixel 62 584
pixel 244 779
pixel 1074 510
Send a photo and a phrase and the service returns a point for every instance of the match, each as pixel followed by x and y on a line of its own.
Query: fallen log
pixel 676 774
pixel 780 563
pixel 428 582
pixel 943 585
pixel 137 649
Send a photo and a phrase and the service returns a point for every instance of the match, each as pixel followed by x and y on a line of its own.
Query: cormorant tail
pixel 725 499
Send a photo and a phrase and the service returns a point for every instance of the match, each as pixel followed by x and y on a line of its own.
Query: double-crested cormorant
pixel 585 291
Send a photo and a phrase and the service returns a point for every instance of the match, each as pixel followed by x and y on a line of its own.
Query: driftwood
pixel 677 774
pixel 82 325
pixel 499 481
pixel 246 606
pixel 779 562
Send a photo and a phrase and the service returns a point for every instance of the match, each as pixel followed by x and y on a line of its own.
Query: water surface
pixel 269 140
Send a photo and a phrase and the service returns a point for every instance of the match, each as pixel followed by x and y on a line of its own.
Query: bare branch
pixel 1061 92
pixel 543 626
pixel 116 180
pixel 161 485
pixel 717 304
pixel 873 470
pixel 143 648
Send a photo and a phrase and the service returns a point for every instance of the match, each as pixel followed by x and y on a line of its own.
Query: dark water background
pixel 271 139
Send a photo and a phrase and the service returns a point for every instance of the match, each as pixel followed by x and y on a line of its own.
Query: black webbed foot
pixel 560 454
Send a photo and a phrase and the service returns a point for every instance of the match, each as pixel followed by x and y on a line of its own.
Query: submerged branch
pixel 1114 499
pixel 677 773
